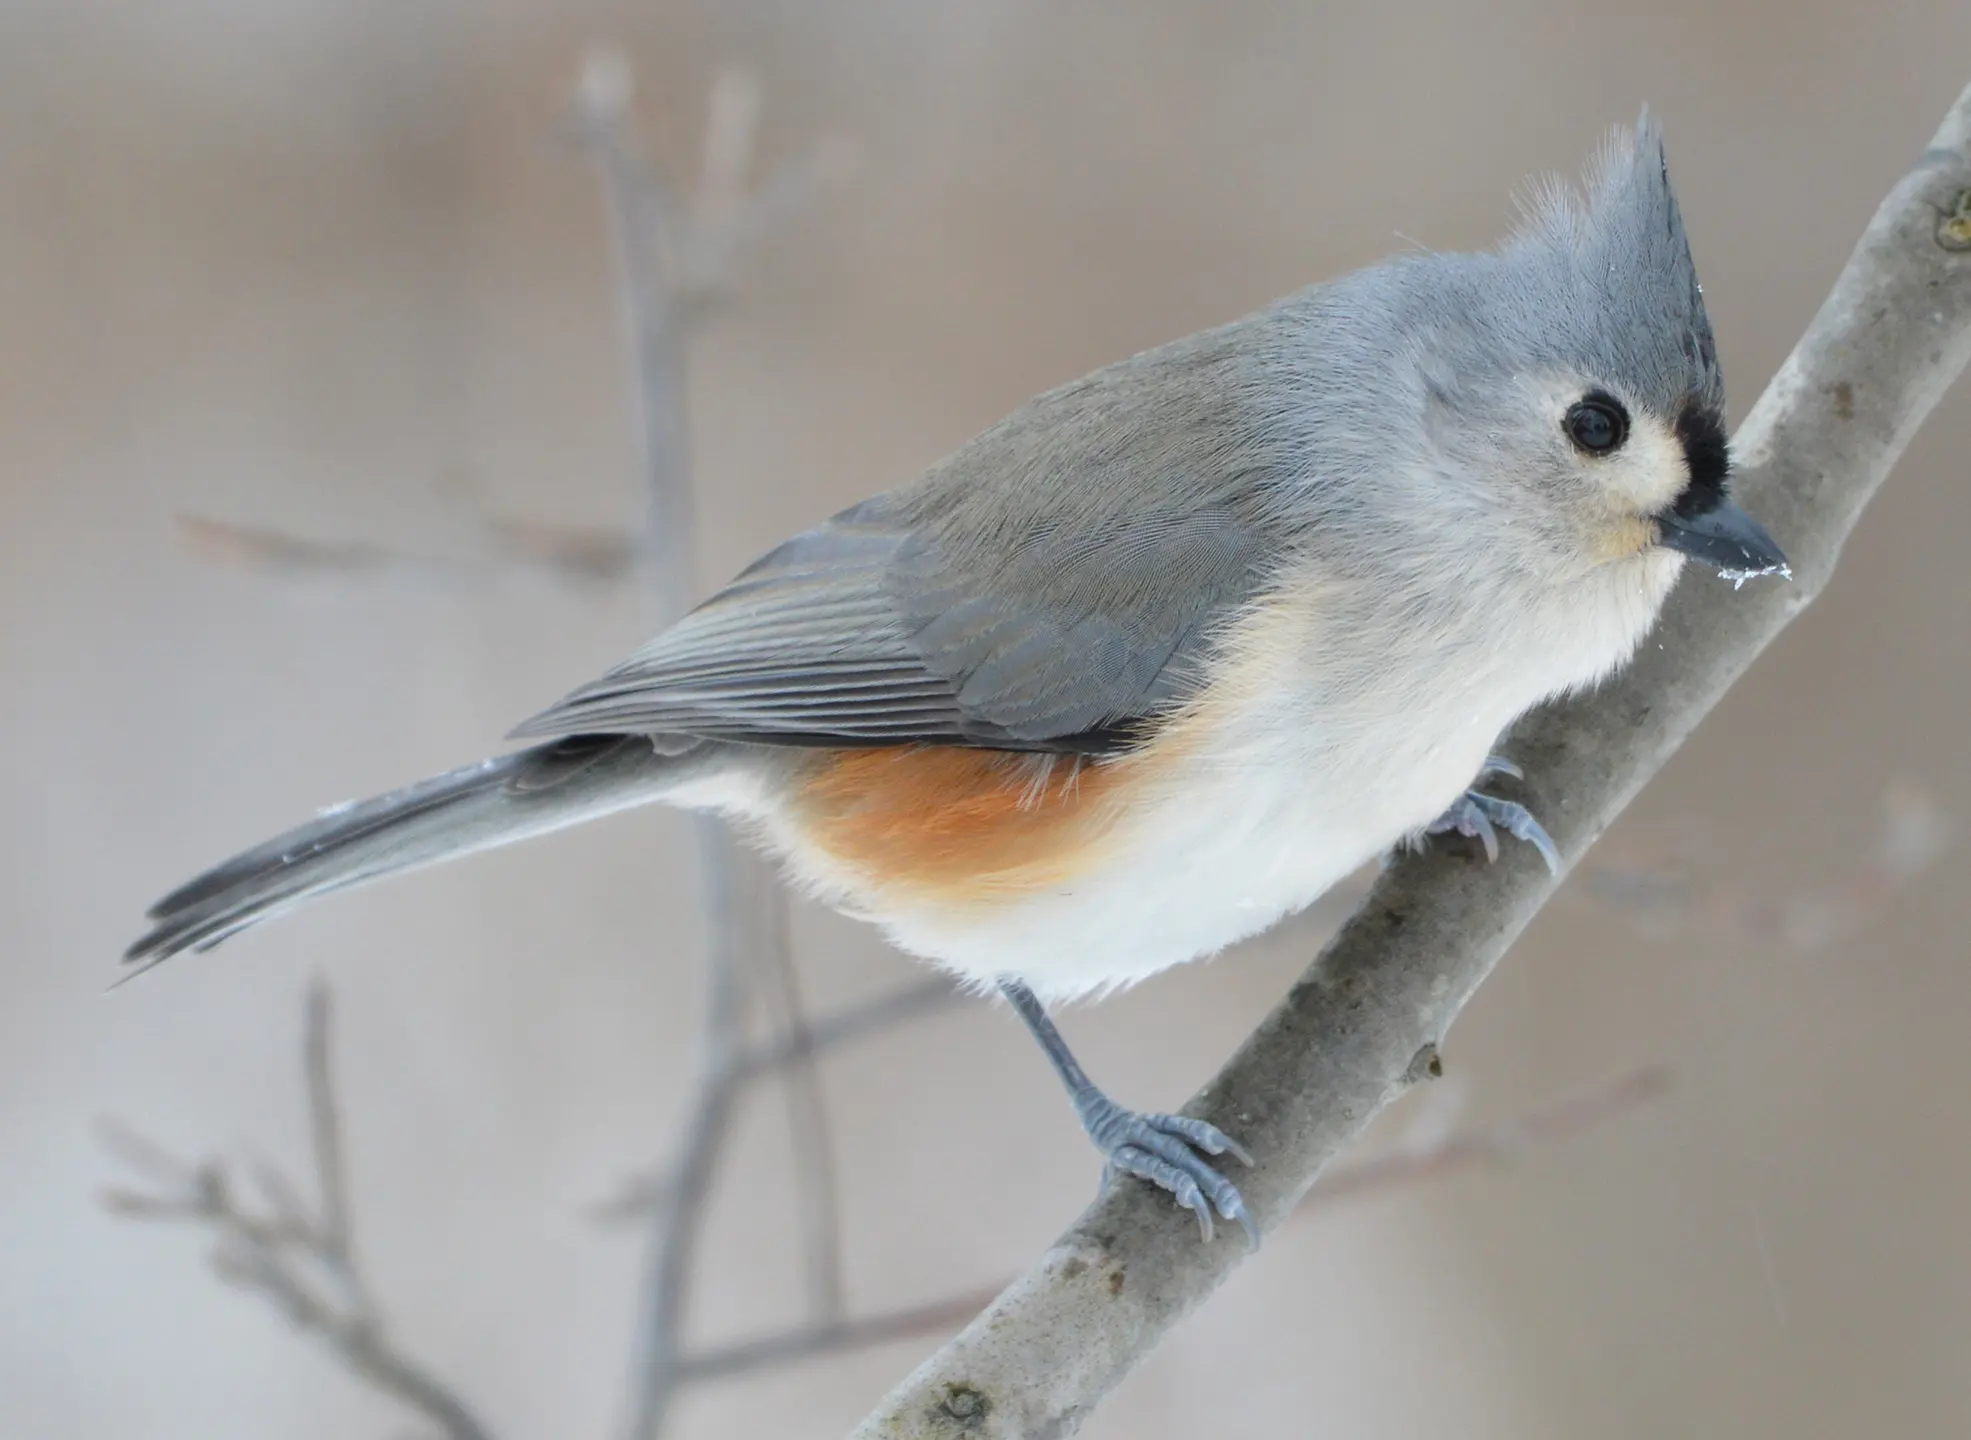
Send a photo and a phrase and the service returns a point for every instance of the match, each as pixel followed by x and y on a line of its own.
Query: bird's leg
pixel 1480 817
pixel 1162 1149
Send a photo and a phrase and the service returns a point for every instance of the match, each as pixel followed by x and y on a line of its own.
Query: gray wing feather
pixel 1060 576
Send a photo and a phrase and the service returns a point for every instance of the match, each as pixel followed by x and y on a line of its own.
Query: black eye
pixel 1598 423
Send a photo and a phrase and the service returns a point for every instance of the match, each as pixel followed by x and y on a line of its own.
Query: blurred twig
pixel 500 546
pixel 808 1128
pixel 1432 1152
pixel 1428 1157
pixel 291 1257
pixel 303 1263
pixel 302 1258
pixel 675 253
pixel 1665 892
pixel 641 1194
pixel 677 258
pixel 893 1007
pixel 835 1337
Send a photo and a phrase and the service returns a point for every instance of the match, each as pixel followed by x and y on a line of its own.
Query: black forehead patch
pixel 1708 457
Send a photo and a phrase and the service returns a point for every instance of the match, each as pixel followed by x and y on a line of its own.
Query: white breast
pixel 1233 843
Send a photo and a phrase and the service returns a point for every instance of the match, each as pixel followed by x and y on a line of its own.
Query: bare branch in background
pixel 1665 893
pixel 290 1256
pixel 1424 1157
pixel 676 257
pixel 639 1195
pixel 808 1127
pixel 836 1337
pixel 674 252
pixel 892 1008
pixel 1893 335
pixel 499 546
pixel 303 1263
pixel 1433 1151
pixel 656 1371
pixel 277 550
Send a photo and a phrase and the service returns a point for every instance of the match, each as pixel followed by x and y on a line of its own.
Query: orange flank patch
pixel 956 823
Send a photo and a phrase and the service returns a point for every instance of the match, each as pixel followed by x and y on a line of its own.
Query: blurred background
pixel 324 272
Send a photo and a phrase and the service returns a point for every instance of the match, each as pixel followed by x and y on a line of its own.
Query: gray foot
pixel 1163 1149
pixel 1480 817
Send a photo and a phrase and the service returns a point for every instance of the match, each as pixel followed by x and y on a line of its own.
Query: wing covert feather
pixel 1059 577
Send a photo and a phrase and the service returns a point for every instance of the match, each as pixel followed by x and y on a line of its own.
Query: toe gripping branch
pixel 1480 817
pixel 1169 1151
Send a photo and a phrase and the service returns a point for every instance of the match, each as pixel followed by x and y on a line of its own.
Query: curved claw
pixel 1480 817
pixel 1517 821
pixel 1203 1134
pixel 1238 1212
pixel 1132 1160
pixel 1165 1150
pixel 1469 819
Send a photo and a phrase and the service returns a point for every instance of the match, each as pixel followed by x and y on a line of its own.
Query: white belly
pixel 1236 843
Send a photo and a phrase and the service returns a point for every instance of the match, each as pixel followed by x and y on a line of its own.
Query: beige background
pixel 304 264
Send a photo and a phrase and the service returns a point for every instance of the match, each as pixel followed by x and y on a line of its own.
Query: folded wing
pixel 1055 585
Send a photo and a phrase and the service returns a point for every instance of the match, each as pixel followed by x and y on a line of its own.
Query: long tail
pixel 478 807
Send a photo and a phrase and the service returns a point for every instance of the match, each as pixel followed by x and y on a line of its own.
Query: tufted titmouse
pixel 1171 649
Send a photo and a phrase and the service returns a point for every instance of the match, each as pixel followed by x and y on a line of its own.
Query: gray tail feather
pixel 480 806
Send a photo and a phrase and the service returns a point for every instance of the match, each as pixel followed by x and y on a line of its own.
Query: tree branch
pixel 808 1128
pixel 305 1265
pixel 1893 335
pixel 501 546
pixel 670 253
pixel 640 1195
pixel 834 1337
pixel 892 1007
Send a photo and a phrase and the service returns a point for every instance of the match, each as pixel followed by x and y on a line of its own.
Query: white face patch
pixel 1647 474
pixel 1624 488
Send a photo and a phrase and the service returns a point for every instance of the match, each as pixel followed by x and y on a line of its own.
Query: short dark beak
pixel 1727 539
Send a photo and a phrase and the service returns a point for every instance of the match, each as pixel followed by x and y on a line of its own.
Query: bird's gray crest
pixel 1610 266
